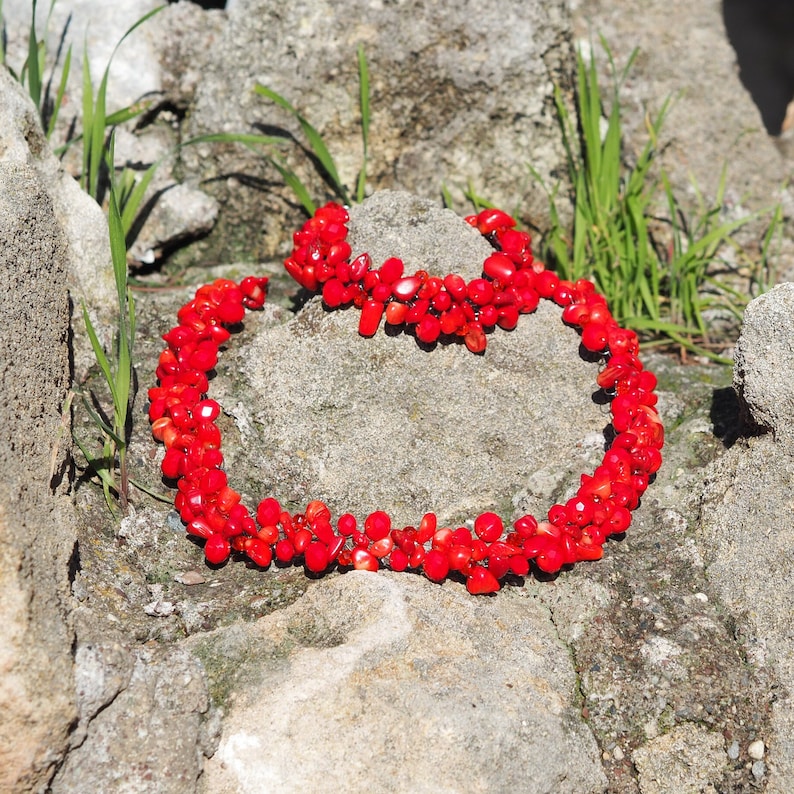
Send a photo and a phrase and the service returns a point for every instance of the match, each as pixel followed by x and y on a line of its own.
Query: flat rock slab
pixel 387 682
pixel 382 683
pixel 384 423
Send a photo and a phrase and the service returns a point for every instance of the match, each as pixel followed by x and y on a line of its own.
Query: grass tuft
pixel 652 285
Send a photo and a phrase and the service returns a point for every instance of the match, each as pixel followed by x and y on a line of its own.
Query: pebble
pixel 733 750
pixel 618 753
pixel 190 578
pixel 174 522
pixel 756 750
pixel 159 609
pixel 758 769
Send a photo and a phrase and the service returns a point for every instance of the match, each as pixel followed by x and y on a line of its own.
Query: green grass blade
pixel 99 353
pixel 102 471
pixel 88 120
pixel 478 202
pixel 56 107
pixel 101 468
pixel 249 139
pixel 363 82
pixel 94 134
pixel 124 115
pixel 132 199
pixel 97 419
pixel 160 497
pixel 33 64
pixel 118 252
pixel 298 188
pixel 316 142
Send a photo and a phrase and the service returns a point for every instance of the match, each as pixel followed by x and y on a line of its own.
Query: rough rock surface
pixel 357 671
pixel 179 215
pixel 146 721
pixel 337 405
pixel 765 362
pixel 447 105
pixel 83 224
pixel 712 121
pixel 746 515
pixel 37 523
pixel 671 656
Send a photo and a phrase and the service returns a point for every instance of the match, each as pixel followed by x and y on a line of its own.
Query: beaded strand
pixel 437 310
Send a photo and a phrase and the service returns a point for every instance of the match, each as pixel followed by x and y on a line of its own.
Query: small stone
pixel 159 609
pixel 756 750
pixel 190 578
pixel 733 750
pixel 702 597
pixel 758 769
pixel 174 522
pixel 618 753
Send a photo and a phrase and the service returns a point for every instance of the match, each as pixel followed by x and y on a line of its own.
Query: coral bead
pixel 334 293
pixel 499 267
pixel 216 549
pixel 458 557
pixel 316 556
pixel 490 220
pixel 455 285
pixel 551 560
pixel 268 512
pixel 488 527
pixel 594 337
pixel 396 312
pixel 363 560
pixel 405 289
pixel 480 291
pixel 429 329
pixel 377 525
pixel 436 565
pixel 259 551
pixel 481 581
pixel 173 463
pixel 285 551
pixel 382 547
pixel 346 524
pixel 398 560
pixel 368 322
pixel 475 338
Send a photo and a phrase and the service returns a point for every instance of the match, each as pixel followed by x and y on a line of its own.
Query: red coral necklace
pixel 437 310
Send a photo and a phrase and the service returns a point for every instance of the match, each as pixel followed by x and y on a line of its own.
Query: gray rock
pixel 179 214
pixel 688 759
pixel 384 683
pixel 84 227
pixel 37 522
pixel 746 526
pixel 146 719
pixel 765 362
pixel 381 423
pixel 448 104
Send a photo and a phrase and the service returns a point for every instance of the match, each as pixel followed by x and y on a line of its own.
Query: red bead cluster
pixel 438 309
pixel 185 420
